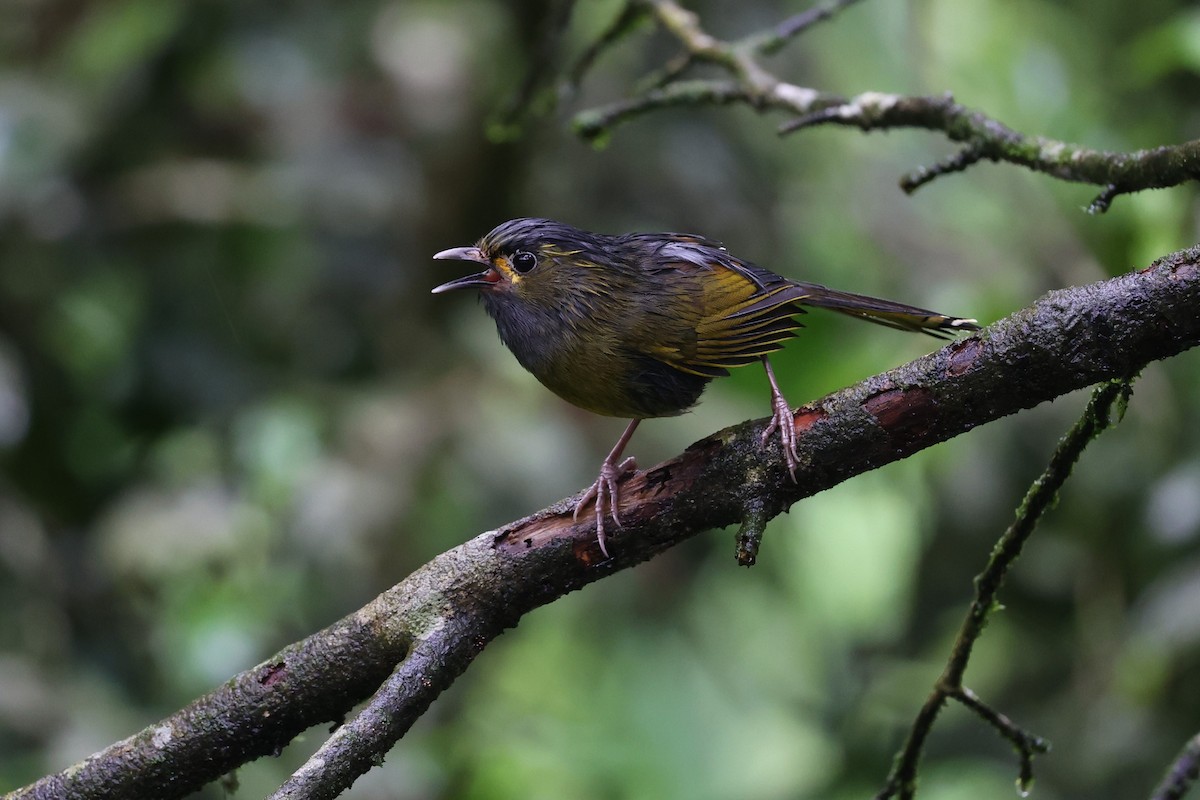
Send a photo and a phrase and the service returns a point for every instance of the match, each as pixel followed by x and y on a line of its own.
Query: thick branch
pixel 431 625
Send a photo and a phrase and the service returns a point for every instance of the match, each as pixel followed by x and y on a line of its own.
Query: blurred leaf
pixel 114 38
pixel 1172 46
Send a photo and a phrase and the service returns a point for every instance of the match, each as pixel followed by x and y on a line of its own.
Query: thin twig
pixel 735 57
pixel 1026 744
pixel 958 162
pixel 632 13
pixel 774 40
pixel 1041 495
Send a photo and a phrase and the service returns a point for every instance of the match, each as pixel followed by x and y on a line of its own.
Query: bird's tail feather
pixel 882 312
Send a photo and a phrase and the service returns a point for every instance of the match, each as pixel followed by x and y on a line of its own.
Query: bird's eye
pixel 523 261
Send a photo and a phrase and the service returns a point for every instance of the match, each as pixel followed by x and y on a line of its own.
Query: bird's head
pixel 563 301
pixel 532 262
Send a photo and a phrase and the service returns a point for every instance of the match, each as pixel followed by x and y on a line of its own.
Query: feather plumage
pixel 636 325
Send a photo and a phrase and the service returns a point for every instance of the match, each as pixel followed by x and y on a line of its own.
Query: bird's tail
pixel 883 312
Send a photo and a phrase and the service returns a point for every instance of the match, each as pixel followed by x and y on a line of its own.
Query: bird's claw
pixel 783 421
pixel 606 489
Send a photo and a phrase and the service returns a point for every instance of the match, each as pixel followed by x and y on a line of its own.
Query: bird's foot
pixel 606 490
pixel 783 420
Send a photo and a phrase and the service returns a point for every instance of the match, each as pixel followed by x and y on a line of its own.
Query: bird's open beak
pixel 479 280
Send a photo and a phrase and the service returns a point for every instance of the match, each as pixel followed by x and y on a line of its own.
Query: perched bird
pixel 635 326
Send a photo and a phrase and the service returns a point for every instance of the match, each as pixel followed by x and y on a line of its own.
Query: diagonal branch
pixel 773 40
pixel 428 628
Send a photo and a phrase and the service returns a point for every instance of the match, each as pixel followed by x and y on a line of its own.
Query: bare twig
pixel 902 780
pixel 1026 744
pixel 774 40
pixel 595 124
pixel 956 163
pixel 632 13
pixel 736 57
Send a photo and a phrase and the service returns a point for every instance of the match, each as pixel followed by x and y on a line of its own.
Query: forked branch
pixel 747 82
pixel 1041 495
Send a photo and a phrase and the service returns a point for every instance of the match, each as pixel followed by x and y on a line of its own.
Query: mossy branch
pixel 981 137
pixel 949 686
pixel 427 629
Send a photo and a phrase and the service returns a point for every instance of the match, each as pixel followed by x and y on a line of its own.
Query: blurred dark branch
pixel 1183 773
pixel 631 14
pixel 981 137
pixel 1040 497
pixel 773 40
pixel 426 630
pixel 536 92
pixel 597 123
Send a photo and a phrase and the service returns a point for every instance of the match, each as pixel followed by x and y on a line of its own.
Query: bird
pixel 636 325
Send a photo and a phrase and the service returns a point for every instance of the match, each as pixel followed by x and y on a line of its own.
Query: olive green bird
pixel 635 326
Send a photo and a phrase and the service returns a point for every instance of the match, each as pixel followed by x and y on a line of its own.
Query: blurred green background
pixel 230 411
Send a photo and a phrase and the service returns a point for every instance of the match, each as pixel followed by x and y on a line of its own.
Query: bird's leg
pixel 608 485
pixel 783 420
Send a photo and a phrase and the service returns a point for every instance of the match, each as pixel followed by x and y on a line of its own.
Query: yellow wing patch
pixel 738 322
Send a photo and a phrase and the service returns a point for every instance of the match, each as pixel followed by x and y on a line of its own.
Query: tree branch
pixel 430 626
pixel 981 136
pixel 1041 495
pixel 986 138
pixel 1182 774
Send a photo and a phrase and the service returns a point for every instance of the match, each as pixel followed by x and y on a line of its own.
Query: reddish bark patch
pixel 543 531
pixel 273 674
pixel 588 552
pixel 536 532
pixel 807 417
pixel 963 356
pixel 906 414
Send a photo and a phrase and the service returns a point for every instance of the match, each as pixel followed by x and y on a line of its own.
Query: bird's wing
pixel 727 313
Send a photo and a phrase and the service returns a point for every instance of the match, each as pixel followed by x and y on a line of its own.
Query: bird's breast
pixel 595 362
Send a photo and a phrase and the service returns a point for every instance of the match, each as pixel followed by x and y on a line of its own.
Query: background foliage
pixel 230 412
